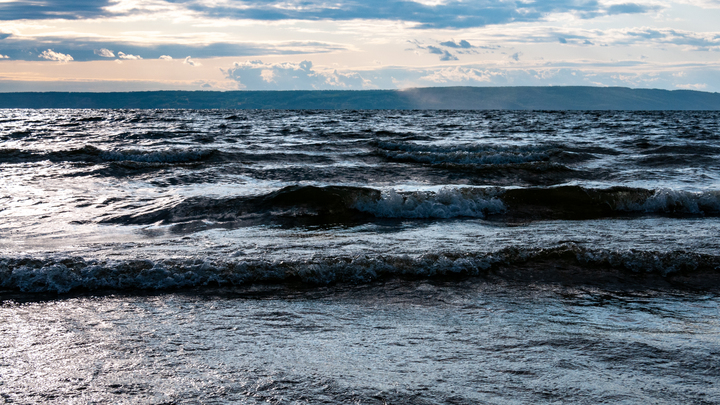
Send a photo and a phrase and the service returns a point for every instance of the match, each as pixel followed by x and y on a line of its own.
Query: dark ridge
pixel 435 98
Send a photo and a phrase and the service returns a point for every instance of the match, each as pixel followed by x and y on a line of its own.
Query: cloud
pixel 697 86
pixel 447 14
pixel 4 57
pixel 165 57
pixel 629 8
pixel 104 52
pixel 189 61
pixel 56 56
pixel 516 56
pixel 462 44
pixel 125 56
pixel 444 54
pixel 256 75
pixel 646 36
pixel 87 48
pixel 695 40
pixel 53 9
pixel 459 75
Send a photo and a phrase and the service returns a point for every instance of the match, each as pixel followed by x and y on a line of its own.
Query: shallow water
pixel 409 342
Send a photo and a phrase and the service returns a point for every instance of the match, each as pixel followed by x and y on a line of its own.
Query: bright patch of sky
pixel 111 45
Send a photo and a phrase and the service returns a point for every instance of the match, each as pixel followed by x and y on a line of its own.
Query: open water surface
pixel 172 256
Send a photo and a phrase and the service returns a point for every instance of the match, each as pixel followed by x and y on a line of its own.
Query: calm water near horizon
pixel 404 257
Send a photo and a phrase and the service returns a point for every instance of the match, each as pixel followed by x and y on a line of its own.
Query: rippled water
pixel 411 343
pixel 359 256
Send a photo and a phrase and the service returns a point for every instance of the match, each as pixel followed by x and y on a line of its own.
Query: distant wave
pixel 91 154
pixel 169 156
pixel 478 154
pixel 62 275
pixel 164 156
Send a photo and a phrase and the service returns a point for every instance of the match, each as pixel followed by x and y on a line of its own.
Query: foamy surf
pixel 66 274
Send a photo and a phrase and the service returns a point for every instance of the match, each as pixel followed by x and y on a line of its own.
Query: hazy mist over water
pixel 224 256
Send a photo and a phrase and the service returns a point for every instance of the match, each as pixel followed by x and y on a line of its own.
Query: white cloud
pixel 189 61
pixel 256 75
pixel 696 86
pixel 267 75
pixel 125 56
pixel 165 57
pixel 701 3
pixel 460 75
pixel 4 57
pixel 56 56
pixel 105 53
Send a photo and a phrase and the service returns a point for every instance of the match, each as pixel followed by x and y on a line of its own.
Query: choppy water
pixel 359 256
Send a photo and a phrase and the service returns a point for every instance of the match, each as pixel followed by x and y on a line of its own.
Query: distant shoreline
pixel 430 98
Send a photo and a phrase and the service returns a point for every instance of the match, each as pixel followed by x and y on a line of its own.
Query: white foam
pixel 62 275
pixel 676 201
pixel 445 203
pixel 471 154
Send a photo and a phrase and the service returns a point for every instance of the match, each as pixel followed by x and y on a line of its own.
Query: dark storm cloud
pixel 452 14
pixel 44 9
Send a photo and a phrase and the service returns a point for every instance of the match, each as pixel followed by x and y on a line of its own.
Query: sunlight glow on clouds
pixel 125 56
pixel 56 56
pixel 189 61
pixel 315 44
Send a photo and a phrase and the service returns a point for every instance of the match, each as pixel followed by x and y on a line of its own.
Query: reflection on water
pixel 374 257
pixel 460 342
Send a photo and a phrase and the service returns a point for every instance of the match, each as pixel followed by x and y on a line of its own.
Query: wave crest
pixel 446 203
pixel 62 275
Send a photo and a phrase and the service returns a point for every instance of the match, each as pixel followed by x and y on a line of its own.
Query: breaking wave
pixel 312 205
pixel 62 275
pixel 446 203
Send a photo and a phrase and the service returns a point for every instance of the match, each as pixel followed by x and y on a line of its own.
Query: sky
pixel 134 45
